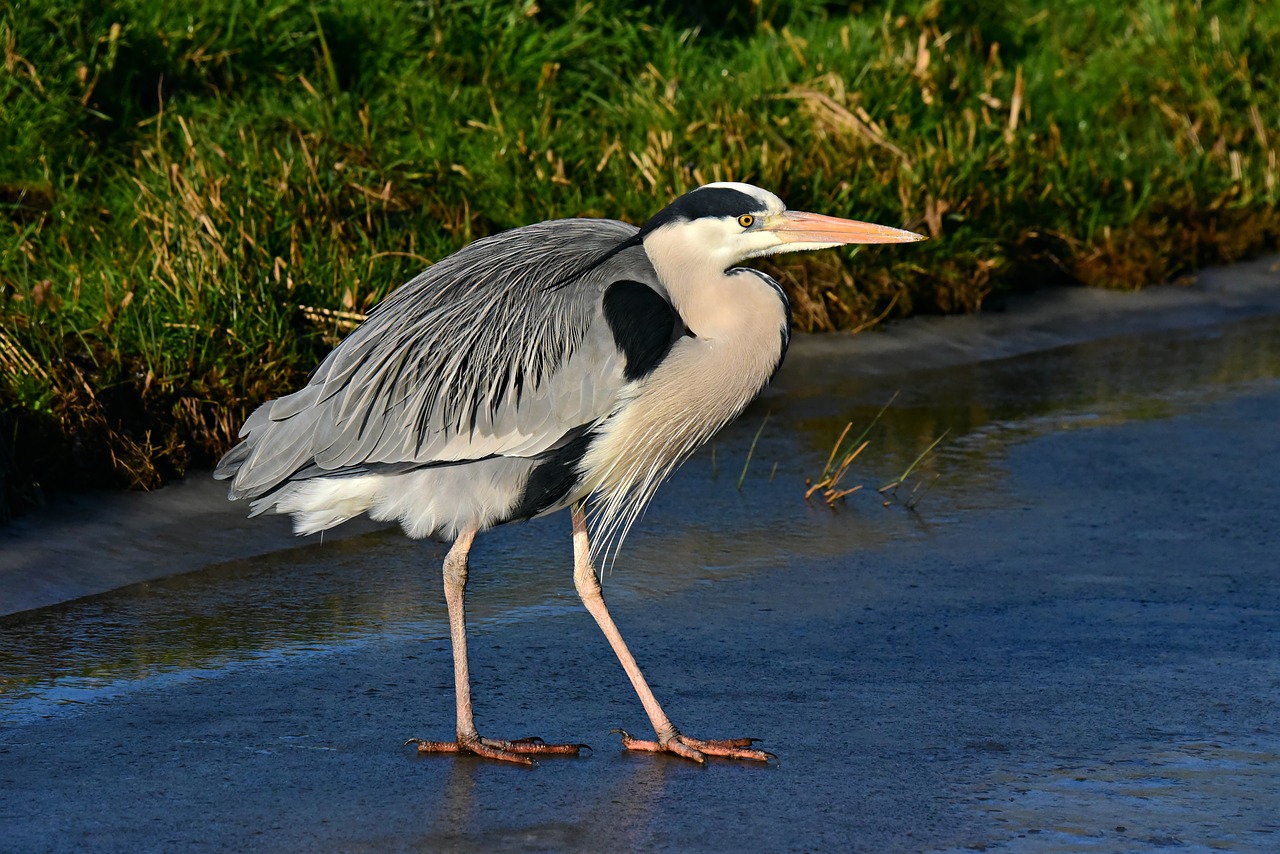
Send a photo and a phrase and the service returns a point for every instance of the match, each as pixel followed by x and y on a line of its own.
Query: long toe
pixel 699 749
pixel 730 748
pixel 520 751
pixel 534 745
pixel 425 746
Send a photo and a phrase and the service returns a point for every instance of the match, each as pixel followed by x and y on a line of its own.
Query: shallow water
pixel 237 625
pixel 323 594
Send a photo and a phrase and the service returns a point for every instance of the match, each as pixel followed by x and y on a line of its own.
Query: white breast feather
pixel 702 385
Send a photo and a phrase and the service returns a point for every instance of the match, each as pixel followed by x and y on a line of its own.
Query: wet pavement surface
pixel 1060 633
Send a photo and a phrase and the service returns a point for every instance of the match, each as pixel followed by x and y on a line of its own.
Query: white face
pixel 724 241
pixel 744 242
pixel 768 228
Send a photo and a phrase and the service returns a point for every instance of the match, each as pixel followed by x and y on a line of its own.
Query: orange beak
pixel 801 227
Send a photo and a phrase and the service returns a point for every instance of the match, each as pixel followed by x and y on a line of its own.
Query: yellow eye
pixel 746 220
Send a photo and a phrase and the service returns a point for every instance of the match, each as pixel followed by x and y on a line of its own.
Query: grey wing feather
pixel 499 349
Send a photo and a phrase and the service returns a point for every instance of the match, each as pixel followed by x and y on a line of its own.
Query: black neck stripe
pixel 577 274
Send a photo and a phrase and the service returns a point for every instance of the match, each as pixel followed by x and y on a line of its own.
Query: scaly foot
pixel 519 750
pixel 699 749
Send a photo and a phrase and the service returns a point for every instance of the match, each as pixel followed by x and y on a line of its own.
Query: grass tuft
pixel 833 472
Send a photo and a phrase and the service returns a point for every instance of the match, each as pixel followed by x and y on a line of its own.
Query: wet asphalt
pixel 1061 633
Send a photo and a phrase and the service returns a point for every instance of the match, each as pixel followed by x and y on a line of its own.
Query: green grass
pixel 196 198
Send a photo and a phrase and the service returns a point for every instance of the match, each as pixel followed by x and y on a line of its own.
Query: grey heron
pixel 566 364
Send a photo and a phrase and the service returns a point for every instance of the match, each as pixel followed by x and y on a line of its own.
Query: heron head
pixel 730 223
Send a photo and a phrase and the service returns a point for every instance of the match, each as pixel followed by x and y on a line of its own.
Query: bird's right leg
pixel 468 740
pixel 670 739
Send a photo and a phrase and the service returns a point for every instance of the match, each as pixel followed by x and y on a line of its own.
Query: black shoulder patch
pixel 644 325
pixel 704 201
pixel 553 477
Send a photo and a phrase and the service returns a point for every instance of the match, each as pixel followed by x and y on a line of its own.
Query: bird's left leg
pixel 468 740
pixel 670 739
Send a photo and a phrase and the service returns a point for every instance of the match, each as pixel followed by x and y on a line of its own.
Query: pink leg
pixel 670 739
pixel 468 740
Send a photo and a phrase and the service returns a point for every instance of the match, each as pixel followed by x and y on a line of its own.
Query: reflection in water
pixel 986 406
pixel 458 804
pixel 638 790
pixel 639 797
pixel 314 599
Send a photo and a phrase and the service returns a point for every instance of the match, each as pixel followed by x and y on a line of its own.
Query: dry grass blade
pixel 829 483
pixel 14 359
pixel 829 113
pixel 345 320
pixel 831 458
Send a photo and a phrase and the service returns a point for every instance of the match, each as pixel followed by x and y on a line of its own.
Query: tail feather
pixel 320 504
pixel 272 451
pixel 231 462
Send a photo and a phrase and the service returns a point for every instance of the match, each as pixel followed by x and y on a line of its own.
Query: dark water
pixel 314 607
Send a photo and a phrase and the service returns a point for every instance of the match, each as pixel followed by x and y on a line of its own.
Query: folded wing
pixel 498 350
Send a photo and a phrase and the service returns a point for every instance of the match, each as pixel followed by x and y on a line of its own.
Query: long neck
pixel 739 326
pixel 717 306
